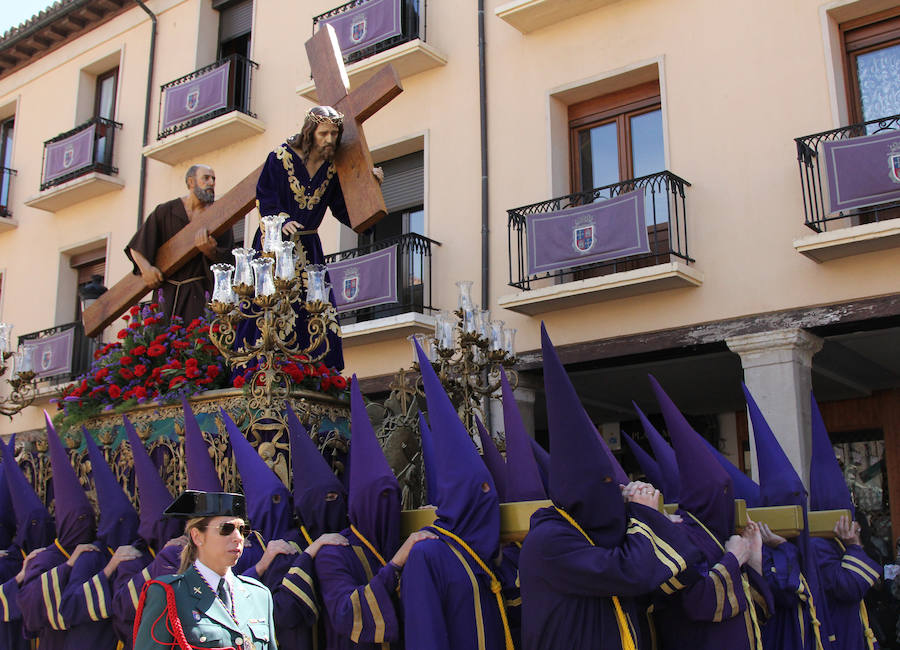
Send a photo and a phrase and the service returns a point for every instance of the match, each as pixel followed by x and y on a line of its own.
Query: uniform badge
pixel 196 615
pixel 197 591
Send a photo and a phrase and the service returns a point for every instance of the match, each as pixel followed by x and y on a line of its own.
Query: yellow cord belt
pixel 495 584
pixel 368 544
pixel 624 630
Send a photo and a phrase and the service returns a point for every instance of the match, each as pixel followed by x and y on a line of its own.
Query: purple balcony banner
pixel 52 355
pixel 365 281
pixel 369 23
pixel 203 94
pixel 67 155
pixel 589 233
pixel 862 171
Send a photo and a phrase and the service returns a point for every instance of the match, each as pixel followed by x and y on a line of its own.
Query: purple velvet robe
pixel 790 627
pixel 40 599
pixel 10 615
pixel 360 597
pixel 86 606
pixel 567 583
pixel 718 610
pixel 846 574
pixel 128 582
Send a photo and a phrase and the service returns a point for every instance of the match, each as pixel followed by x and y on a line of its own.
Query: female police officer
pixel 205 605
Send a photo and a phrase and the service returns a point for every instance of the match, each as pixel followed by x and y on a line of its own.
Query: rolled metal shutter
pixel 404 182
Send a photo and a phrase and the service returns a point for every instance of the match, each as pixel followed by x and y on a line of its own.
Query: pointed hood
pixel 75 523
pixel 706 490
pixel 582 479
pixel 428 460
pixel 7 514
pixel 664 456
pixel 744 487
pixel 119 521
pixel 779 484
pixel 268 501
pixel 645 460
pixel 201 472
pixel 617 469
pixel 467 501
pixel 493 460
pixel 543 460
pixel 374 491
pixel 34 525
pixel 523 477
pixel 320 499
pixel 153 495
pixel 827 486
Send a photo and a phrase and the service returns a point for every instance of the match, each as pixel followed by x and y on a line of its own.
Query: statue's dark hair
pixel 305 140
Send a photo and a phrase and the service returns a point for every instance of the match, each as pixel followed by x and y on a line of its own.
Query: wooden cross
pixel 362 191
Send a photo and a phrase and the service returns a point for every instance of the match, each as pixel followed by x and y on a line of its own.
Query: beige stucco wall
pixel 739 81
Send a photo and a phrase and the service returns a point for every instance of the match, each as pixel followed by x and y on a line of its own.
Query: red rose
pixel 134 310
pixel 326 382
pixel 156 350
pixel 175 364
pixel 159 338
pixel 203 330
pixel 126 318
pixel 192 373
pixel 122 334
pixel 138 350
pixel 216 328
pixel 190 363
pixel 100 374
pixel 126 360
pixel 238 382
pixel 180 345
pixel 175 381
pixel 134 325
pixel 140 370
pixel 126 374
pixel 212 371
pixel 115 391
pixel 212 349
pixel 155 374
pixel 154 306
pixel 339 382
pixel 140 392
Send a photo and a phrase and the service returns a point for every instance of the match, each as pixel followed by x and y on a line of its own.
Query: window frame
pixel 617 107
pixel 861 36
pixel 98 85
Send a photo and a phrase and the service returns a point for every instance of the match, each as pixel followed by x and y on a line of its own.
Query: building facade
pixel 713 118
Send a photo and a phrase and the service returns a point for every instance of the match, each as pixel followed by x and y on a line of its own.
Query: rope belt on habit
pixel 177 284
pixel 624 627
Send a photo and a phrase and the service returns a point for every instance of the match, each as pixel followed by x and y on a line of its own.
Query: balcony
pixel 205 110
pixel 616 241
pixel 375 33
pixel 850 183
pixel 6 220
pixel 78 165
pixel 398 302
pixel 59 354
pixel 530 15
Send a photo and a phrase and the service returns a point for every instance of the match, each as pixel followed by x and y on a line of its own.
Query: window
pixel 872 60
pixel 6 142
pixel 86 265
pixel 105 108
pixel 235 27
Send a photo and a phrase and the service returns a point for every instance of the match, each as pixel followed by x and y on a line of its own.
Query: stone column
pixel 777 370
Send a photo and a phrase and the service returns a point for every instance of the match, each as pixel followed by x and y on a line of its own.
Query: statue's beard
pixel 206 196
pixel 326 152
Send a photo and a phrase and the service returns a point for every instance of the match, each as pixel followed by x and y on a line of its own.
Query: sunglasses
pixel 228 527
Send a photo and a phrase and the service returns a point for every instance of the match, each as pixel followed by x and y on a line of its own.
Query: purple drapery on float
pixel 51 355
pixel 587 234
pixel 366 24
pixel 203 94
pixel 365 281
pixel 862 171
pixel 67 155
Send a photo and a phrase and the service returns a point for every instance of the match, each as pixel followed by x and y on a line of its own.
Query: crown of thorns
pixel 325 115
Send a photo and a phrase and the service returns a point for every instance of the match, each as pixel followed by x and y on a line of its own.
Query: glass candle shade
pixel 443 330
pixel 483 323
pixel 262 273
pixel 271 225
pixel 468 322
pixel 315 283
pixel 465 294
pixel 284 260
pixel 5 333
pixel 496 335
pixel 424 343
pixel 243 273
pixel 509 341
pixel 23 360
pixel 222 291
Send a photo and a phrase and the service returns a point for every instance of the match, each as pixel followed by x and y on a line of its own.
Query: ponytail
pixel 190 551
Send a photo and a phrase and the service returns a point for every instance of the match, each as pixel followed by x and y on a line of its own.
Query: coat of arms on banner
pixel 68 156
pixel 894 162
pixel 192 100
pixel 46 358
pixel 351 285
pixel 583 234
pixel 358 30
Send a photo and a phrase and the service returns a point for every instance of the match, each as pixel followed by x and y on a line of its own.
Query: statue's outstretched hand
pixel 378 173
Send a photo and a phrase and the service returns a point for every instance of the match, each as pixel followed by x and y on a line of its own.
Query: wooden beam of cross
pixel 175 253
pixel 362 191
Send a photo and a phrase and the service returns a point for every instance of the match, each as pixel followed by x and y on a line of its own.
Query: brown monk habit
pixel 184 290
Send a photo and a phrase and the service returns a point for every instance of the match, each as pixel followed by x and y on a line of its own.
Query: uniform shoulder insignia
pixel 251 581
pixel 170 579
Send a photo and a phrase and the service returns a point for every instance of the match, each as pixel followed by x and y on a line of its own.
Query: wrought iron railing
pixel 237 94
pixel 665 218
pixel 413 276
pixel 813 180
pixel 412 25
pixel 82 352
pixel 6 175
pixel 101 159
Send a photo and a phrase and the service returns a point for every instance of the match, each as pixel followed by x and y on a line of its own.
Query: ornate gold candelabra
pixel 249 293
pixel 21 375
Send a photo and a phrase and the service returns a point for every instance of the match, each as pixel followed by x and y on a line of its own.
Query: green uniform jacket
pixel 206 622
